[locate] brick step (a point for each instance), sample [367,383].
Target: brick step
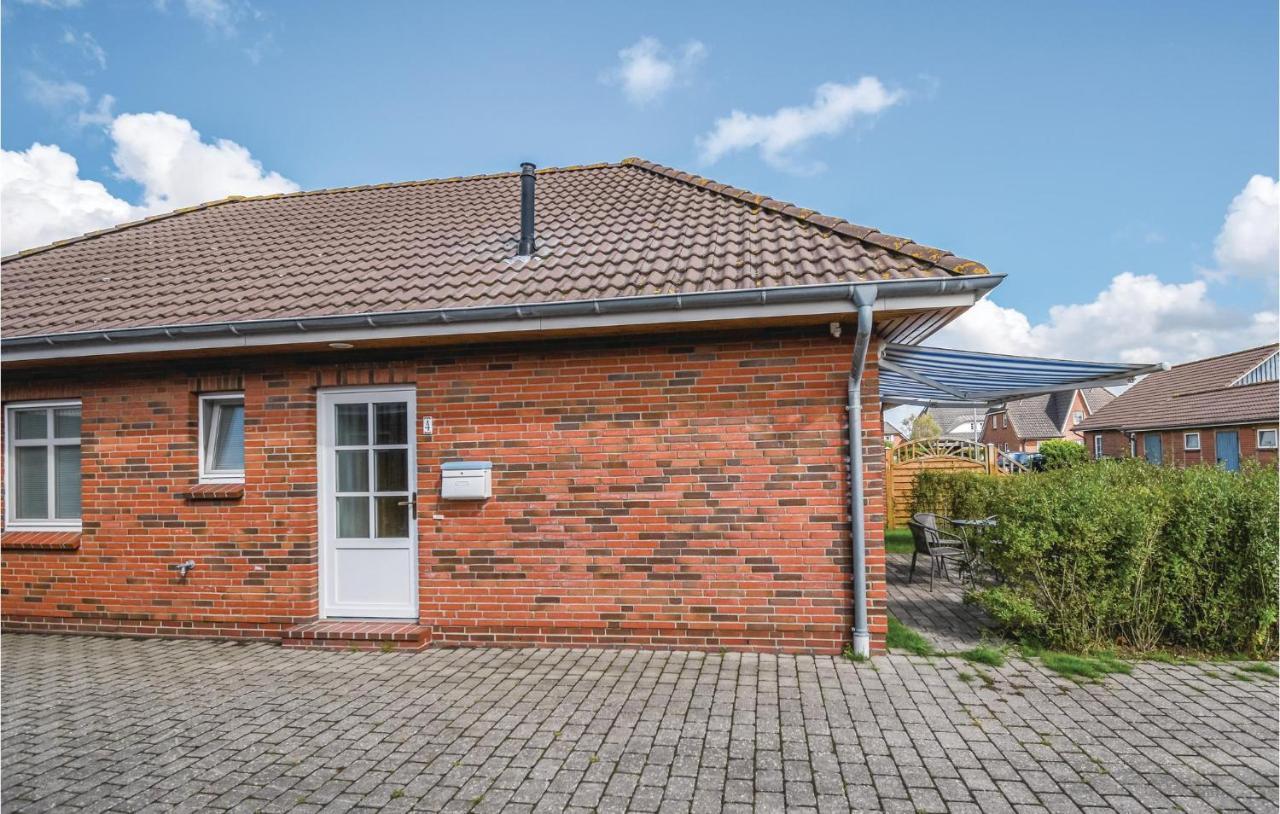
[357,635]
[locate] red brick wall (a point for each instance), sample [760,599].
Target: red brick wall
[685,493]
[1116,445]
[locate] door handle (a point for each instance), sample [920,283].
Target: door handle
[412,503]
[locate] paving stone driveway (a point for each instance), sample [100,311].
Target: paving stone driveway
[100,724]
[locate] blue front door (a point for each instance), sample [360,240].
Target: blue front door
[1228,450]
[1152,448]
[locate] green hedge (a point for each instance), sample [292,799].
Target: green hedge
[1060,454]
[1121,552]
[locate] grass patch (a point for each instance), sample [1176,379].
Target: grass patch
[898,541]
[1264,669]
[989,656]
[852,656]
[1083,668]
[901,637]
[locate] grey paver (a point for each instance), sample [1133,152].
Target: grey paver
[98,724]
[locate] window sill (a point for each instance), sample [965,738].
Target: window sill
[40,541]
[214,491]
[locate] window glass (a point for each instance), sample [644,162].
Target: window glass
[393,516]
[1191,441]
[228,450]
[30,424]
[222,437]
[66,486]
[353,517]
[393,470]
[43,464]
[1267,439]
[390,423]
[66,422]
[31,483]
[353,470]
[352,424]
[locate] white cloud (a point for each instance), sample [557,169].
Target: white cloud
[779,135]
[220,16]
[1248,244]
[87,45]
[214,14]
[165,154]
[647,70]
[1137,318]
[54,94]
[43,198]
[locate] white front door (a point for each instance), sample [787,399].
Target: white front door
[368,548]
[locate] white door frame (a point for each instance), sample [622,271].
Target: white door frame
[325,400]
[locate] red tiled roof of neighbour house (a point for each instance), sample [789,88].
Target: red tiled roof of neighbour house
[604,231]
[1195,394]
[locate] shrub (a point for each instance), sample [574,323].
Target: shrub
[1125,553]
[1059,454]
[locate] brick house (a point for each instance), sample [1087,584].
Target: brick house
[439,412]
[1022,424]
[1221,410]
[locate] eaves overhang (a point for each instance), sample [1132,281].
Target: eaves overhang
[947,296]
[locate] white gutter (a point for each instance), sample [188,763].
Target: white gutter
[662,309]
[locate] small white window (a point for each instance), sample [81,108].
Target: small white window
[1004,421]
[1097,446]
[222,438]
[1191,441]
[1267,438]
[1076,417]
[42,466]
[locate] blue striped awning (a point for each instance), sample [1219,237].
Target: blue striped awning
[911,374]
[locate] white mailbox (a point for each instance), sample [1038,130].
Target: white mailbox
[466,480]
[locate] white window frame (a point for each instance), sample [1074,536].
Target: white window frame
[1097,447]
[208,475]
[12,523]
[1077,417]
[1186,441]
[1261,430]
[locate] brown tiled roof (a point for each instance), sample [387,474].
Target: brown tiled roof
[1195,394]
[604,231]
[1046,415]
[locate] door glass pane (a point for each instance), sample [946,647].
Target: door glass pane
[30,424]
[392,470]
[352,424]
[229,454]
[393,516]
[31,486]
[66,482]
[390,422]
[66,422]
[353,470]
[353,517]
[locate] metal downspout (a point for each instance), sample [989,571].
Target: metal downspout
[863,298]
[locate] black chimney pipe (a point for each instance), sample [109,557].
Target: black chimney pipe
[527,180]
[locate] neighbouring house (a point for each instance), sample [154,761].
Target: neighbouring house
[893,434]
[1219,411]
[1021,425]
[960,423]
[601,405]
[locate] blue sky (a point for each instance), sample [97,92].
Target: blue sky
[1091,151]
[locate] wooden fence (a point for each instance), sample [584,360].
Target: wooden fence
[910,458]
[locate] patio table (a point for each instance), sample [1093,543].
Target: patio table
[968,528]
